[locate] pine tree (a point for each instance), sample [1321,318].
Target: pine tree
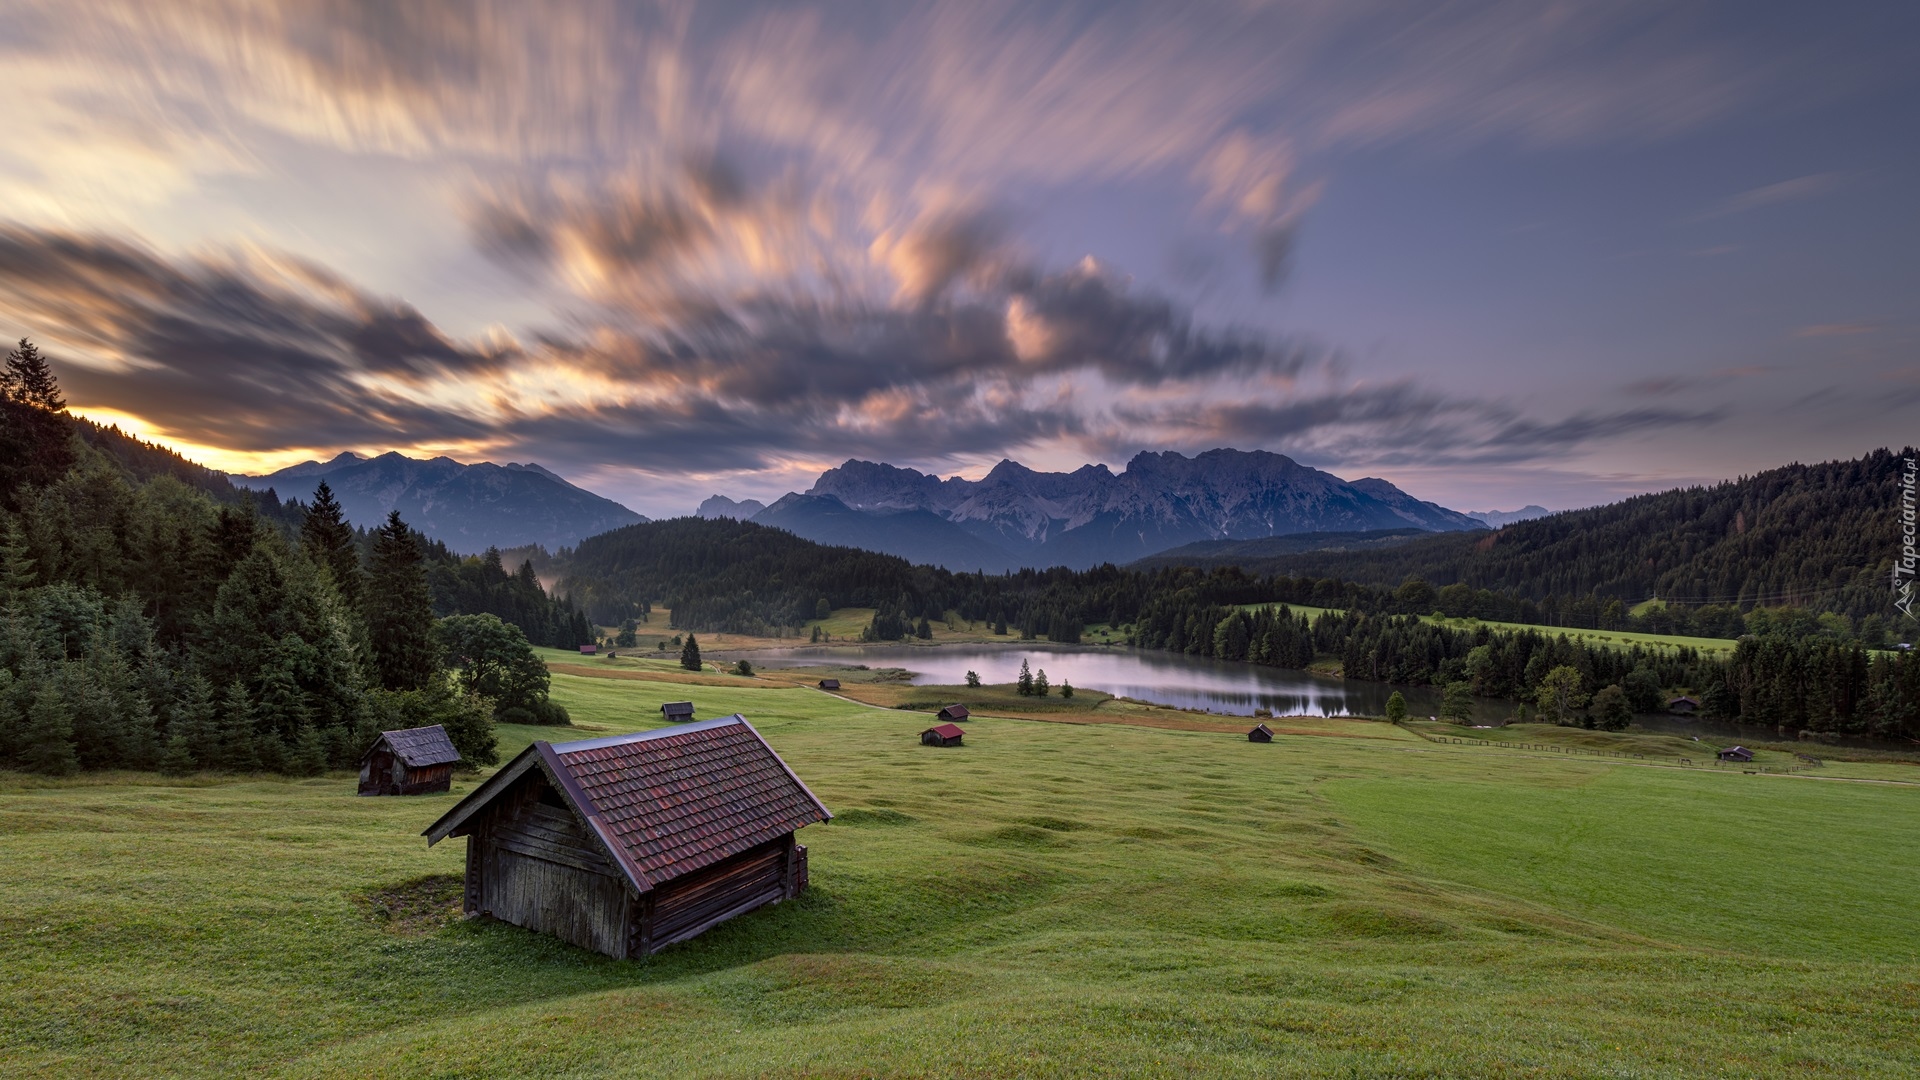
[329,542]
[1040,686]
[49,736]
[30,380]
[400,610]
[1025,685]
[690,654]
[1066,689]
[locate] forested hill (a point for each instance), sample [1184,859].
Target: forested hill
[726,574]
[1814,536]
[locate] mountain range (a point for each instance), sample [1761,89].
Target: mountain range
[469,507]
[1497,518]
[1015,516]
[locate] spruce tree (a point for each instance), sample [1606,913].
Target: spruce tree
[1026,679]
[1040,686]
[400,610]
[177,759]
[309,756]
[16,562]
[329,542]
[690,654]
[196,725]
[30,380]
[49,736]
[237,737]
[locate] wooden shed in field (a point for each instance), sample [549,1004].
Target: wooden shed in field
[628,844]
[589,650]
[1683,706]
[677,712]
[1736,753]
[829,684]
[952,714]
[942,735]
[1260,733]
[412,761]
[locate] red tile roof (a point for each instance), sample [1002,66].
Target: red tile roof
[946,731]
[676,799]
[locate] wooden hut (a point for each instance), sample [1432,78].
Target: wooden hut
[942,735]
[1736,753]
[1683,706]
[412,761]
[677,712]
[1260,733]
[589,650]
[952,714]
[829,684]
[628,844]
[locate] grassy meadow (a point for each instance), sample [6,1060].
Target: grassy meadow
[1051,899]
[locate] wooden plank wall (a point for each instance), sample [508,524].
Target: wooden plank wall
[539,869]
[684,907]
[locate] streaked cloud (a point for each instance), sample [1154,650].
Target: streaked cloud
[1784,191]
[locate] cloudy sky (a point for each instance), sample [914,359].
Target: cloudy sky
[1498,252]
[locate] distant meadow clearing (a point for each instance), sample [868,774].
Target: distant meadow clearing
[1050,899]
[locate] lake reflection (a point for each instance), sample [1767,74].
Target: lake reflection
[1185,682]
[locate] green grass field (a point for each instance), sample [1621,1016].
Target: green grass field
[1048,900]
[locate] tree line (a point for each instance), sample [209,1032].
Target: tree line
[1819,537]
[153,616]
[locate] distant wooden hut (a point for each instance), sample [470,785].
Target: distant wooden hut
[1736,753]
[942,735]
[829,684]
[1260,733]
[628,844]
[677,712]
[1683,706]
[589,650]
[412,761]
[952,714]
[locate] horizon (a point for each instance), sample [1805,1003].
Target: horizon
[1516,258]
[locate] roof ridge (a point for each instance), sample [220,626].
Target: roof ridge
[578,745]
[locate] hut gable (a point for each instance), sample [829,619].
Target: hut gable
[829,684]
[630,843]
[953,713]
[411,761]
[942,735]
[677,712]
[1260,733]
[1682,705]
[1736,753]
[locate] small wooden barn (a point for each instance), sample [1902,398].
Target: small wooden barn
[677,712]
[1736,753]
[1683,706]
[952,714]
[589,650]
[1260,733]
[829,684]
[628,844]
[412,761]
[942,735]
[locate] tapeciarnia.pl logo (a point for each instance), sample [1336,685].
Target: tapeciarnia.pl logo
[1903,567]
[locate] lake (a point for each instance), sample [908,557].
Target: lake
[1185,682]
